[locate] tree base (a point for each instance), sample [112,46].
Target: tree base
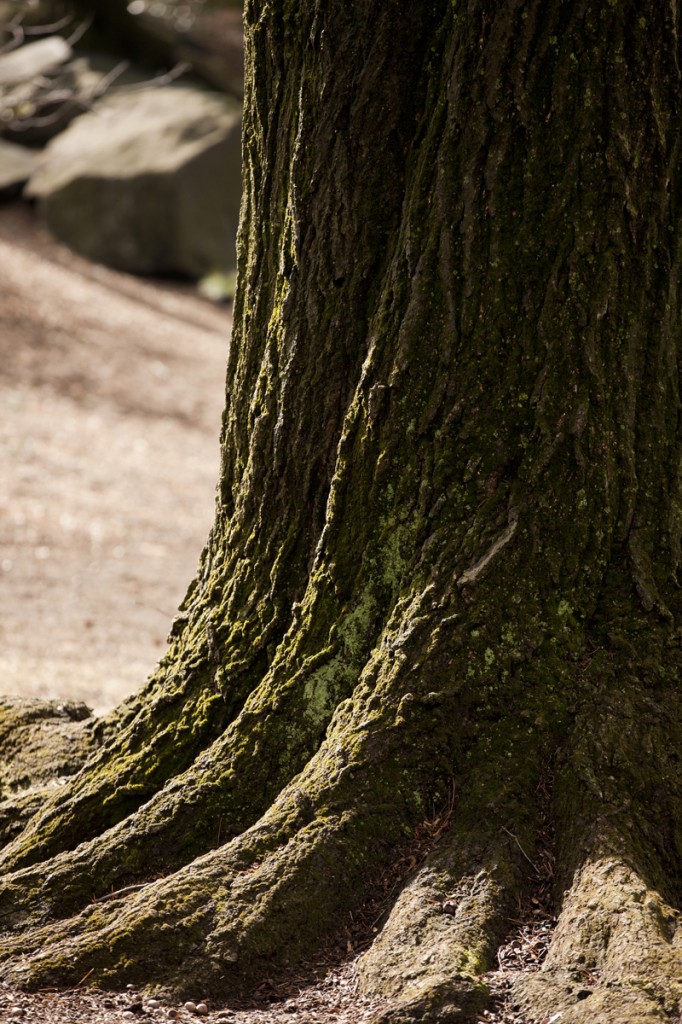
[262,900]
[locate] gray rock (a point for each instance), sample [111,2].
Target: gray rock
[32,60]
[17,164]
[213,44]
[148,182]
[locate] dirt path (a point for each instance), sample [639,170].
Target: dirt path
[111,390]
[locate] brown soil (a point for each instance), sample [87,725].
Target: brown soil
[332,1001]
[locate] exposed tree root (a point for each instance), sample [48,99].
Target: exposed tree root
[215,743]
[44,744]
[245,903]
[222,793]
[225,919]
[238,907]
[220,796]
[432,954]
[616,952]
[152,738]
[443,930]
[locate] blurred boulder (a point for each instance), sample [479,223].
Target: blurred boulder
[206,34]
[33,111]
[148,182]
[17,164]
[212,43]
[34,59]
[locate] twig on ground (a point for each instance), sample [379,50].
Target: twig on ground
[516,840]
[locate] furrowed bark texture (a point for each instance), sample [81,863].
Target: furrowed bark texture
[447,534]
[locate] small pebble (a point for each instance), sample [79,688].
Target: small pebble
[172,1014]
[191,1007]
[153,1004]
[131,987]
[202,1009]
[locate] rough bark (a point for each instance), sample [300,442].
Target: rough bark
[447,535]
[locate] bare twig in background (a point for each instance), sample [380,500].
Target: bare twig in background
[17,34]
[80,30]
[43,30]
[165,79]
[109,79]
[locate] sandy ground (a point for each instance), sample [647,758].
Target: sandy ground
[111,391]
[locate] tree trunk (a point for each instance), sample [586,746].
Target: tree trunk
[446,542]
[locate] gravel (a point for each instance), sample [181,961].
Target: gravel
[334,1000]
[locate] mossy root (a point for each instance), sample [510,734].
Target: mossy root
[444,928]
